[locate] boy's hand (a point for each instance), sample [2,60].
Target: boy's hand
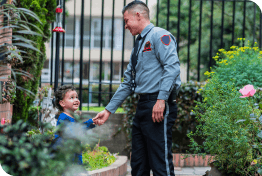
[101,117]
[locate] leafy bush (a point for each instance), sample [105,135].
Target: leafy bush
[222,108]
[24,151]
[33,64]
[97,158]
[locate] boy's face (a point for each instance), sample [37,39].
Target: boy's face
[70,101]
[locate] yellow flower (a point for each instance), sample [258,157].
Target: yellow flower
[255,48]
[254,162]
[221,50]
[231,57]
[207,73]
[233,47]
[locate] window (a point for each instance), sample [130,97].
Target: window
[95,33]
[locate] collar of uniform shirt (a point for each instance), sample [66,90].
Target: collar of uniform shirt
[146,30]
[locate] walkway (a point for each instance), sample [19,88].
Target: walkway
[180,171]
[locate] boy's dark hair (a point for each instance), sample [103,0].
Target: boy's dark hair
[141,5]
[60,94]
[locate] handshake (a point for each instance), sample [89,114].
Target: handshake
[101,117]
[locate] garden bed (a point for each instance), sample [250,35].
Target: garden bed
[119,167]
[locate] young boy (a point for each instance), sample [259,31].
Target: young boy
[66,100]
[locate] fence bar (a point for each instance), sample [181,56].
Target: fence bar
[112,46]
[168,12]
[157,12]
[222,22]
[57,60]
[178,25]
[81,53]
[123,47]
[233,23]
[89,60]
[147,2]
[199,41]
[254,28]
[189,39]
[244,19]
[101,54]
[211,35]
[74,34]
[63,45]
[52,53]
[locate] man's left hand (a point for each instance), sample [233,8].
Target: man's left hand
[158,111]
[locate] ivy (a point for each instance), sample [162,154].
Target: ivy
[33,62]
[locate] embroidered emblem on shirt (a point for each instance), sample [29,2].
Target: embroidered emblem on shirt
[165,39]
[147,47]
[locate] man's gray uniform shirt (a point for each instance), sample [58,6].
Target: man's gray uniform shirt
[157,69]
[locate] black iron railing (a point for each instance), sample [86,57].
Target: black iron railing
[59,73]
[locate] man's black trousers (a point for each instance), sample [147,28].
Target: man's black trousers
[152,142]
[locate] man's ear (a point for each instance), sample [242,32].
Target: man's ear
[62,103]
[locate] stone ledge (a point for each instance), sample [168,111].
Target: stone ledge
[119,168]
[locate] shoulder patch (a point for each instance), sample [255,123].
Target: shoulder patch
[165,39]
[147,47]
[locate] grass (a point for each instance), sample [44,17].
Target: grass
[99,109]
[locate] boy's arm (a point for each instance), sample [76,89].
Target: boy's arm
[89,124]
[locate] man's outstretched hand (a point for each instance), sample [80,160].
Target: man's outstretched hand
[101,117]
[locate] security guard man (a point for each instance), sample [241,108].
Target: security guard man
[154,74]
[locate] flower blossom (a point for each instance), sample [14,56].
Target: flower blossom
[247,91]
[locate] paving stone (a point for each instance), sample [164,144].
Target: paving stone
[200,172]
[177,168]
[202,168]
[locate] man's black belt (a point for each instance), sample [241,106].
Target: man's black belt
[153,96]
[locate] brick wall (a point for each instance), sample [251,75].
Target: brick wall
[5,71]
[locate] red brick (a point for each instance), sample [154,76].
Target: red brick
[176,159]
[182,161]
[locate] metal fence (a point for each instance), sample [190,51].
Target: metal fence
[169,5]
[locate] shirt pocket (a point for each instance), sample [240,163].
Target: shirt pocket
[149,60]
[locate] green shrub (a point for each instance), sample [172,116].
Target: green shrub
[33,64]
[222,108]
[24,151]
[97,158]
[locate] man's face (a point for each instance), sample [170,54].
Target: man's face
[131,22]
[70,101]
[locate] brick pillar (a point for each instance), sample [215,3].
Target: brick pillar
[6,110]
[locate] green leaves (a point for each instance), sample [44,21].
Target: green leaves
[231,126]
[97,158]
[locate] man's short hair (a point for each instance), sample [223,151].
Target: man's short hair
[137,6]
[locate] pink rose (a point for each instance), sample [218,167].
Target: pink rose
[2,121]
[247,91]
